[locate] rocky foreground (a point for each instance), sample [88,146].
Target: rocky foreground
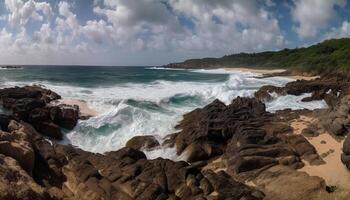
[237,151]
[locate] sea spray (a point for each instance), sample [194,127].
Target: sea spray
[145,101]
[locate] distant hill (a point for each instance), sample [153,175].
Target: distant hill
[326,56]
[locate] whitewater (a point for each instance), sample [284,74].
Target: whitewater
[153,106]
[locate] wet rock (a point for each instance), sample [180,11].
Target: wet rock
[38,115]
[46,94]
[265,93]
[147,142]
[65,116]
[5,121]
[50,129]
[211,127]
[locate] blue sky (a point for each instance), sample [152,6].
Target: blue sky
[156,32]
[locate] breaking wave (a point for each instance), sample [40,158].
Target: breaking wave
[130,109]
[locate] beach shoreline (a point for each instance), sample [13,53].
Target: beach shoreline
[271,73]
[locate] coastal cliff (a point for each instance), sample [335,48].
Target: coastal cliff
[235,151]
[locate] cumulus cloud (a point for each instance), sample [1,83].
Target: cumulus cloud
[41,29]
[340,32]
[314,15]
[21,12]
[232,25]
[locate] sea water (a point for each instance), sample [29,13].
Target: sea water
[133,101]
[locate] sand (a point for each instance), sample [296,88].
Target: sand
[307,78]
[85,110]
[270,72]
[334,171]
[256,71]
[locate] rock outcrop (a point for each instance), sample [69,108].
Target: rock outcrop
[33,167]
[330,87]
[235,151]
[32,104]
[146,142]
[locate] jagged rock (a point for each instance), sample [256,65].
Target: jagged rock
[329,87]
[46,95]
[65,116]
[265,92]
[30,104]
[228,188]
[197,152]
[304,149]
[38,115]
[209,128]
[337,120]
[283,183]
[50,129]
[345,156]
[252,144]
[147,142]
[5,121]
[17,145]
[15,183]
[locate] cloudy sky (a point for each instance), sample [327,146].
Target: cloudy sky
[155,32]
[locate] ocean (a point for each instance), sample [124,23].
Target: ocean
[133,101]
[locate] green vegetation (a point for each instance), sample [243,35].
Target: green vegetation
[326,56]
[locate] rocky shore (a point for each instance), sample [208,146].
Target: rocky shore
[236,151]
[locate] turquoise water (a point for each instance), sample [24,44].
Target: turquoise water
[134,101]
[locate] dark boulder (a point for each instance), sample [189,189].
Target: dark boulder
[5,121]
[228,188]
[49,129]
[146,142]
[209,128]
[345,156]
[65,116]
[265,93]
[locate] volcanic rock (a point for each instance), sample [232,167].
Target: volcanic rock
[65,116]
[147,142]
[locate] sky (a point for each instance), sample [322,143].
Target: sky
[157,32]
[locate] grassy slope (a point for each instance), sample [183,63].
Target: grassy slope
[326,56]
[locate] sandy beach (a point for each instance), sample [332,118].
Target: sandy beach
[333,171]
[271,72]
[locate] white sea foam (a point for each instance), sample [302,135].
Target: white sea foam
[293,102]
[127,110]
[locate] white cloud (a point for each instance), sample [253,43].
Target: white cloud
[97,31]
[312,16]
[70,19]
[157,30]
[231,26]
[5,38]
[340,32]
[21,12]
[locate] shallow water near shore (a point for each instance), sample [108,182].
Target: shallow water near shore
[132,101]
